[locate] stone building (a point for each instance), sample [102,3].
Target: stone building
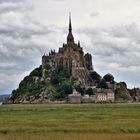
[100,96]
[75,97]
[71,57]
[89,99]
[105,95]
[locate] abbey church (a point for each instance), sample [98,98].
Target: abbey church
[71,57]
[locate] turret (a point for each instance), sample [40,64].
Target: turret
[88,60]
[43,60]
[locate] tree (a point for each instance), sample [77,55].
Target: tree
[103,84]
[80,89]
[89,91]
[55,79]
[109,78]
[37,72]
[62,92]
[66,89]
[14,95]
[95,76]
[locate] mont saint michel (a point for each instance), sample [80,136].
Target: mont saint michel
[68,76]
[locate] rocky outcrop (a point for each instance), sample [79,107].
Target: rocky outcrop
[135,94]
[122,93]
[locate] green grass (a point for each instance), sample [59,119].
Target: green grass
[71,120]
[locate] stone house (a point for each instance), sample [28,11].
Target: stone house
[105,95]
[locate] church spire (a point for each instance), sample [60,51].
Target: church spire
[78,43]
[70,25]
[70,38]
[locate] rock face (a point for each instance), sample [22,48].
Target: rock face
[135,94]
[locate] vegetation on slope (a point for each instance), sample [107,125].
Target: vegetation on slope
[56,85]
[122,93]
[41,86]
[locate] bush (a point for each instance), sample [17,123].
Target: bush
[55,78]
[103,84]
[80,89]
[109,78]
[65,89]
[89,91]
[95,76]
[37,72]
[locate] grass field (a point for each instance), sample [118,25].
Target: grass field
[70,122]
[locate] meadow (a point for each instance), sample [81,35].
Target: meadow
[70,122]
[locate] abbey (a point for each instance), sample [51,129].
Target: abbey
[71,57]
[47,84]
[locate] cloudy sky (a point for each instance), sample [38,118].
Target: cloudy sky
[109,29]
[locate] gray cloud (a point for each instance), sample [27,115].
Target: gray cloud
[14,1]
[20,49]
[7,7]
[23,41]
[94,14]
[115,50]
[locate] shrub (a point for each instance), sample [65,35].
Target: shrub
[80,89]
[37,72]
[109,78]
[95,76]
[89,91]
[103,84]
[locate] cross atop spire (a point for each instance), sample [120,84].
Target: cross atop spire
[70,25]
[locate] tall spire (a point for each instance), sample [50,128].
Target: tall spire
[70,38]
[70,26]
[78,43]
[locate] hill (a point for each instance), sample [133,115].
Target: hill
[36,89]
[58,85]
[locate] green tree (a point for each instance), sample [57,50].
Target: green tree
[95,76]
[103,84]
[109,78]
[80,89]
[37,72]
[55,78]
[89,91]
